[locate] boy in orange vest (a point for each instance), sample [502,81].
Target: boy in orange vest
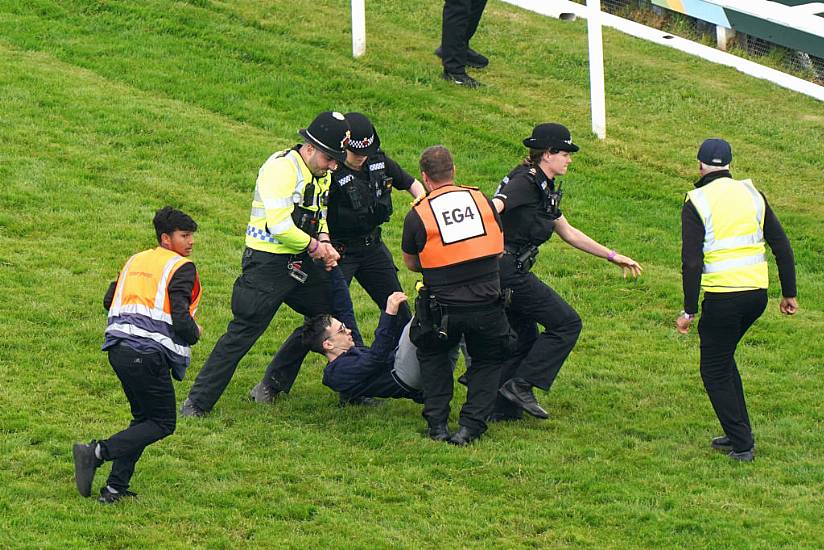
[150,330]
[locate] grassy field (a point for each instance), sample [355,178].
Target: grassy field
[111,109]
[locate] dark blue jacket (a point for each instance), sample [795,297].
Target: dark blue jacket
[367,372]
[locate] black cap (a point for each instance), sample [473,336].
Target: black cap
[715,152]
[329,132]
[363,139]
[551,135]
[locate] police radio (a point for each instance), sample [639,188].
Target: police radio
[553,201]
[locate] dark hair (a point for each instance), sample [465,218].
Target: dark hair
[436,162]
[168,220]
[314,332]
[535,155]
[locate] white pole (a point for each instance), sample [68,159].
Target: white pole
[596,69]
[358,27]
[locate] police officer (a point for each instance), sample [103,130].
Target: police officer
[360,200]
[287,252]
[453,237]
[724,225]
[528,200]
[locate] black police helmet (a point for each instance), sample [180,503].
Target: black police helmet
[329,132]
[551,135]
[364,138]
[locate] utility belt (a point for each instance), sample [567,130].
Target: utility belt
[364,241]
[433,316]
[524,257]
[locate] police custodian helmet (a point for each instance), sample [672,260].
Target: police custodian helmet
[329,132]
[364,140]
[551,135]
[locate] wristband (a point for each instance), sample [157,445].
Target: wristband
[324,241]
[687,316]
[317,244]
[611,255]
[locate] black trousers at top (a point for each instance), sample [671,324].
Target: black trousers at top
[460,21]
[375,270]
[538,357]
[258,293]
[725,318]
[147,384]
[489,340]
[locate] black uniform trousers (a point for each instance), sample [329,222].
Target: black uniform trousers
[725,318]
[489,340]
[373,267]
[538,357]
[460,21]
[258,293]
[147,383]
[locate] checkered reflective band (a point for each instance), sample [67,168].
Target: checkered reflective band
[361,143]
[260,234]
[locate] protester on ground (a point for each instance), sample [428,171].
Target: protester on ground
[453,237]
[150,330]
[528,200]
[287,255]
[724,225]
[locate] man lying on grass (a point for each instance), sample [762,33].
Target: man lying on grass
[389,368]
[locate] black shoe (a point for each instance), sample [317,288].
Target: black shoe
[263,393]
[473,58]
[438,432]
[85,466]
[519,391]
[743,456]
[461,79]
[345,401]
[191,410]
[107,496]
[722,443]
[464,436]
[504,417]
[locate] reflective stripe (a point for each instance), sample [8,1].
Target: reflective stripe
[260,234]
[735,262]
[734,242]
[758,201]
[282,227]
[297,196]
[699,201]
[260,212]
[160,296]
[121,284]
[139,309]
[272,204]
[165,341]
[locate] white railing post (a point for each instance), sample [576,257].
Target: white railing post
[358,27]
[596,69]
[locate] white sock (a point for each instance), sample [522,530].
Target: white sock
[112,489]
[97,452]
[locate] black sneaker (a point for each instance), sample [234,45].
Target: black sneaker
[743,456]
[107,496]
[461,79]
[191,410]
[263,393]
[473,58]
[360,401]
[85,466]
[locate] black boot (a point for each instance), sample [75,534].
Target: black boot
[438,432]
[464,436]
[519,391]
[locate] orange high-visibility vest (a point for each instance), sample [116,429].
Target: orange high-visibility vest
[460,227]
[141,309]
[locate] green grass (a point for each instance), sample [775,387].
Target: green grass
[109,110]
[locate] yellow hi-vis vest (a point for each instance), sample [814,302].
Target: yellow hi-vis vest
[141,312]
[279,191]
[733,216]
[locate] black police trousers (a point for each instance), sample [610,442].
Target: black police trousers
[147,383]
[375,270]
[258,293]
[725,318]
[460,21]
[538,357]
[489,340]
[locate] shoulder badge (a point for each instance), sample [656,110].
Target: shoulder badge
[417,201]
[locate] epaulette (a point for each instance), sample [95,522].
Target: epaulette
[468,187]
[533,171]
